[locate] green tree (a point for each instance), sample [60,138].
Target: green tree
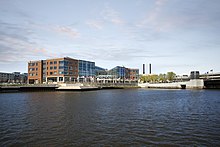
[170,76]
[153,78]
[162,78]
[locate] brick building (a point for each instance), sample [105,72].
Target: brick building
[60,70]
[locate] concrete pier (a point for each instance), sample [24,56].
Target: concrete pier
[192,84]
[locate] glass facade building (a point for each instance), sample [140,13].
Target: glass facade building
[117,72]
[86,69]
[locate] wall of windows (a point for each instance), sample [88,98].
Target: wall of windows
[86,69]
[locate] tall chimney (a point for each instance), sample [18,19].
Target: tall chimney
[149,68]
[143,68]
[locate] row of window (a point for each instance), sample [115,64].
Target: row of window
[60,67]
[33,69]
[62,72]
[52,62]
[33,64]
[33,74]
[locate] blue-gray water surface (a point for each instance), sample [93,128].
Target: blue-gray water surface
[126,117]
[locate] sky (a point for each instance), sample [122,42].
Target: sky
[172,35]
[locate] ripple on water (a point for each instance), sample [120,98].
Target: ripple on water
[135,117]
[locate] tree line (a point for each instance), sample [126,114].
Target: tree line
[161,78]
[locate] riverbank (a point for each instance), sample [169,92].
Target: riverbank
[60,87]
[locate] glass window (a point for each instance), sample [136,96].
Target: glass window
[54,67]
[61,62]
[51,73]
[60,78]
[51,67]
[51,62]
[55,62]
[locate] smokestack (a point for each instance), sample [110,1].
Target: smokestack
[143,68]
[149,68]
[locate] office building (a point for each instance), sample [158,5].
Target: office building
[60,70]
[86,71]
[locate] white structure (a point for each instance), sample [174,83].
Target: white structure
[194,83]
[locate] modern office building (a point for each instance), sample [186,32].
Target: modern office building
[86,71]
[119,74]
[100,71]
[60,70]
[124,73]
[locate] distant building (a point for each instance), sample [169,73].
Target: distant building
[210,76]
[133,74]
[60,70]
[119,74]
[181,78]
[15,77]
[100,71]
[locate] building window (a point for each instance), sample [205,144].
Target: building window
[36,64]
[60,78]
[61,67]
[36,69]
[55,62]
[54,67]
[61,62]
[55,73]
[51,67]
[32,64]
[51,73]
[51,62]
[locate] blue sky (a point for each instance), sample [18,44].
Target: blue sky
[172,35]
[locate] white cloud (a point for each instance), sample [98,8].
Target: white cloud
[111,15]
[95,24]
[67,31]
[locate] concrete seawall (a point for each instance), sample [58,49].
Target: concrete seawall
[192,84]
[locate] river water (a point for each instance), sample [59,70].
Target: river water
[125,117]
